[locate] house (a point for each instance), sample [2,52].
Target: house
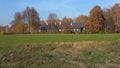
[73,28]
[77,27]
[43,28]
[4,29]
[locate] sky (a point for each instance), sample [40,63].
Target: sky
[68,8]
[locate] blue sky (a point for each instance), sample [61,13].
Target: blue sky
[69,8]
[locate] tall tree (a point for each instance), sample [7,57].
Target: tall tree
[51,20]
[58,21]
[17,23]
[96,20]
[69,20]
[66,24]
[109,23]
[26,16]
[0,28]
[35,20]
[31,17]
[116,17]
[81,19]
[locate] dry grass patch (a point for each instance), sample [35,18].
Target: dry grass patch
[85,54]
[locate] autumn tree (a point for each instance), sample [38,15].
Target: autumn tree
[31,18]
[81,19]
[66,24]
[109,23]
[112,16]
[51,20]
[35,20]
[58,21]
[116,17]
[96,20]
[69,20]
[0,28]
[42,22]
[17,23]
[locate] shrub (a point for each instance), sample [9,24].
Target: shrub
[1,33]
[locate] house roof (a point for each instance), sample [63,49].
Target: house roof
[42,25]
[73,26]
[77,25]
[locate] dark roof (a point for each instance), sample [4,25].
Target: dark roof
[42,25]
[73,26]
[77,25]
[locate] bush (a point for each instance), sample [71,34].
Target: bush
[101,32]
[1,33]
[85,31]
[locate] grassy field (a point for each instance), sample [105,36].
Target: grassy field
[60,51]
[85,54]
[43,38]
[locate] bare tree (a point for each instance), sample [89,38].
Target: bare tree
[52,17]
[31,17]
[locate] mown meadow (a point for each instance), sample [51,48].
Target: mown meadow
[43,38]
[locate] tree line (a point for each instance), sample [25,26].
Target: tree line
[99,20]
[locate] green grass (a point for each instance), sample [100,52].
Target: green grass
[43,38]
[60,51]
